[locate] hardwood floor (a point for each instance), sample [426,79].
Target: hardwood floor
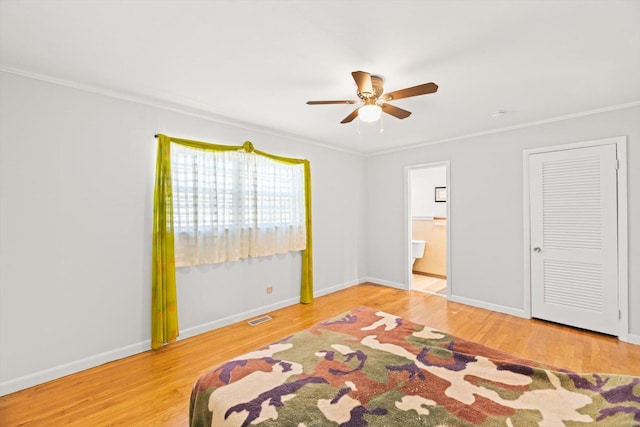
[428,284]
[153,388]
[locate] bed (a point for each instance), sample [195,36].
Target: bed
[370,368]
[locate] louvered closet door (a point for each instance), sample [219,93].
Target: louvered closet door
[574,261]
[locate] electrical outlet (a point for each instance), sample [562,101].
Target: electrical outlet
[269,289]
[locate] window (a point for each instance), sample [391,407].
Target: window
[229,205]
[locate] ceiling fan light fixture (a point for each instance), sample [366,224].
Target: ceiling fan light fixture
[374,101]
[369,113]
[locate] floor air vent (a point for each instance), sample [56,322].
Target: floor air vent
[259,320]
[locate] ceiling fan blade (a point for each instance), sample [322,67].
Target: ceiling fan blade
[363,80]
[395,111]
[331,102]
[422,89]
[351,116]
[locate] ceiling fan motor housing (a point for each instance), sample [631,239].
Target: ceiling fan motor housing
[376,84]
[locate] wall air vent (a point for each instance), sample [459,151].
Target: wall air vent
[259,320]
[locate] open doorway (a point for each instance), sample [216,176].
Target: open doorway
[428,227]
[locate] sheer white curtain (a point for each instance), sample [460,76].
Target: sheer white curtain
[229,205]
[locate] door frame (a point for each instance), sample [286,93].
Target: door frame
[408,224]
[623,271]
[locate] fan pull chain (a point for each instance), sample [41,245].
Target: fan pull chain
[381,125]
[358,128]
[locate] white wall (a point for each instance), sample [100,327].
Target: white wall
[76,194]
[423,184]
[76,185]
[486,208]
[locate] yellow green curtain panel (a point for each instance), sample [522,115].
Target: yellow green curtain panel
[164,309]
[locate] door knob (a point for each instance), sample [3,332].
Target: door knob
[537,249]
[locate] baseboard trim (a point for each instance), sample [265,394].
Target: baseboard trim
[56,372]
[489,306]
[467,301]
[332,289]
[60,371]
[633,339]
[384,282]
[226,321]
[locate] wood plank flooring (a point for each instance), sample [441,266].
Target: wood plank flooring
[428,283]
[152,388]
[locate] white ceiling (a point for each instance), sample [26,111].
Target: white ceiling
[256,63]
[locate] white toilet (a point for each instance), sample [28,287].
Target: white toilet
[417,250]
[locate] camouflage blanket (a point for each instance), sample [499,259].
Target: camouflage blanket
[370,368]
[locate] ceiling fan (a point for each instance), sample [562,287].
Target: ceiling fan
[374,100]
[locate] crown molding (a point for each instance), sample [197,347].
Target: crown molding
[632,104]
[180,107]
[199,112]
